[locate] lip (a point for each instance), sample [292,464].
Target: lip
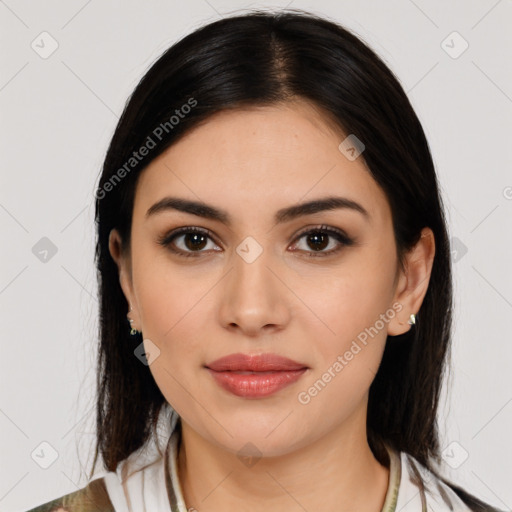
[255,376]
[254,363]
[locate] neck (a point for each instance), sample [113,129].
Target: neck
[337,473]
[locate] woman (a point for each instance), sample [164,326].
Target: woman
[270,224]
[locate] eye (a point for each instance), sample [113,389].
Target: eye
[193,240]
[318,239]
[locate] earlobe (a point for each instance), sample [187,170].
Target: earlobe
[123,265]
[115,248]
[413,284]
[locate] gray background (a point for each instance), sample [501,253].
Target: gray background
[57,116]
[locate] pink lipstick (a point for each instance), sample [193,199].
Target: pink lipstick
[255,376]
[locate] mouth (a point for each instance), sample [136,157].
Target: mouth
[255,376]
[254,363]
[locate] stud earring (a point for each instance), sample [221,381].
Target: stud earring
[133,331]
[411,321]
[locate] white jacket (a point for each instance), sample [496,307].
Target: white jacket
[144,482]
[157,487]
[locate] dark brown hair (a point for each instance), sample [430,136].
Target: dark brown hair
[263,58]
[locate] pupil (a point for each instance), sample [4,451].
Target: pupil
[195,237]
[319,237]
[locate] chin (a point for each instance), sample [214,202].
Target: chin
[255,435]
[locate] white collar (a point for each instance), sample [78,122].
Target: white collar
[144,482]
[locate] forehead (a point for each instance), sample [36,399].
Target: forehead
[256,160]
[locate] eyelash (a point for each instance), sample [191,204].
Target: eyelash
[344,240]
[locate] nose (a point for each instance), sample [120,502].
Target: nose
[254,297]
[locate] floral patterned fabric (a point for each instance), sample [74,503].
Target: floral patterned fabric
[92,498]
[153,485]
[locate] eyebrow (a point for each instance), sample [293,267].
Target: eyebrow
[283,215]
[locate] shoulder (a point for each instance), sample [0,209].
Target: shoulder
[421,489]
[91,498]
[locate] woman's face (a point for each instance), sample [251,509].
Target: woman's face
[255,282]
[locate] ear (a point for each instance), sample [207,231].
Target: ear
[124,267]
[413,283]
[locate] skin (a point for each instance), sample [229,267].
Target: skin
[251,163]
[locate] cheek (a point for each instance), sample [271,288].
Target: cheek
[173,315]
[348,352]
[165,295]
[352,310]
